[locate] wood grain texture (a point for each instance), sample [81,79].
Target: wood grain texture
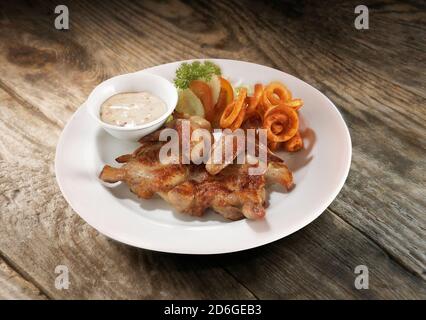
[323,257]
[374,77]
[14,287]
[39,231]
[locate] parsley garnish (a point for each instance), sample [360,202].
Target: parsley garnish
[195,71]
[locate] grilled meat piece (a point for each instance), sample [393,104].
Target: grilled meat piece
[190,188]
[144,173]
[231,191]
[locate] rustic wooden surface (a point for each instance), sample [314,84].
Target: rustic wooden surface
[375,77]
[13,286]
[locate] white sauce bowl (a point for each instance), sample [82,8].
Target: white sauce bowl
[133,82]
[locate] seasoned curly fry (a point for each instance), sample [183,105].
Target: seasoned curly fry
[281,123]
[295,104]
[294,144]
[239,120]
[252,121]
[253,101]
[274,94]
[272,108]
[277,127]
[233,109]
[273,145]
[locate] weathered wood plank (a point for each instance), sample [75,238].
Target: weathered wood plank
[51,73]
[39,231]
[335,249]
[14,287]
[314,263]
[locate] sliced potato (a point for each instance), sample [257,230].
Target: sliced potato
[214,85]
[189,104]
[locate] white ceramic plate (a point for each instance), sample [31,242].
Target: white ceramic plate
[319,173]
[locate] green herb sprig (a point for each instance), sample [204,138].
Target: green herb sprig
[195,71]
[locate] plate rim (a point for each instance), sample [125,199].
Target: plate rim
[303,222]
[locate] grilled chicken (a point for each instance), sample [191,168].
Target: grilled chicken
[233,193]
[191,189]
[144,173]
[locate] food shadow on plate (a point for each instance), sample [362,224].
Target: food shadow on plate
[121,191]
[109,148]
[296,162]
[300,159]
[259,226]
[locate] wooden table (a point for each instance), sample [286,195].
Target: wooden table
[376,78]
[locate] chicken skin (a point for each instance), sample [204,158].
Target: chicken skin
[233,193]
[144,173]
[192,189]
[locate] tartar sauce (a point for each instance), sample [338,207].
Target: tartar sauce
[131,109]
